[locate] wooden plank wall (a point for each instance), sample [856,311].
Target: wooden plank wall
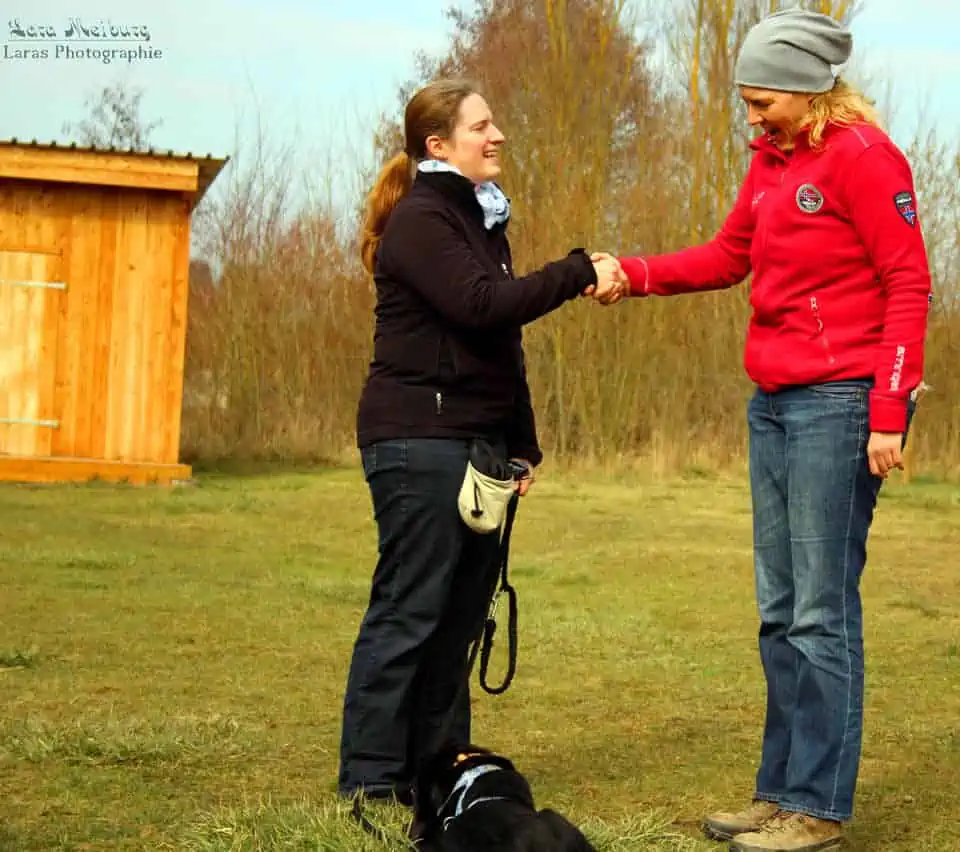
[119,355]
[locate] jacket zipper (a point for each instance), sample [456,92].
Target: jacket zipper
[762,233]
[821,332]
[439,402]
[764,236]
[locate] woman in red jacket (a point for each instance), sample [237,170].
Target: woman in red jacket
[826,221]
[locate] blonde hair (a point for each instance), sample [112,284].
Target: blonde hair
[432,111]
[843,104]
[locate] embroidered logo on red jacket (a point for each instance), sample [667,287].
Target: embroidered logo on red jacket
[809,198]
[906,207]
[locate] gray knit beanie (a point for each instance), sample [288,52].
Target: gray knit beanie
[793,51]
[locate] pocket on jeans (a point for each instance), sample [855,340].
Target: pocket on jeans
[843,391]
[390,454]
[911,412]
[368,459]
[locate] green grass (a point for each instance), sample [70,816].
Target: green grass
[172,662]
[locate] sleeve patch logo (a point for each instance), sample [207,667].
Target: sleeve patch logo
[906,207]
[809,198]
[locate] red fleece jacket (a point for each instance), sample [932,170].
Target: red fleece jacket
[841,283]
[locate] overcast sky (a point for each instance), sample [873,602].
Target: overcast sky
[318,72]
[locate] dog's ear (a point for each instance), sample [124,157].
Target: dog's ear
[424,792]
[567,836]
[427,796]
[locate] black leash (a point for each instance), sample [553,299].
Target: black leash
[356,811]
[485,642]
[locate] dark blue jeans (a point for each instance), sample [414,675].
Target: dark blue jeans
[406,690]
[813,502]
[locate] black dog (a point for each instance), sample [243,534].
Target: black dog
[468,799]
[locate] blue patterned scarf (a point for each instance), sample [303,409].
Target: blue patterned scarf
[495,205]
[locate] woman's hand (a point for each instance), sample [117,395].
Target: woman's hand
[526,480]
[884,452]
[611,284]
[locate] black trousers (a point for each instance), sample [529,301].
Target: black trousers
[431,587]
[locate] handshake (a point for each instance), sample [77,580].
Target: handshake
[612,284]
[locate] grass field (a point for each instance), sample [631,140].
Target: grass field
[172,662]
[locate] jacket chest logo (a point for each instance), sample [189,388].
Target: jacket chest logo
[809,198]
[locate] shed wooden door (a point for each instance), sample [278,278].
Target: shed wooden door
[30,302]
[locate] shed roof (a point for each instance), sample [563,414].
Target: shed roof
[110,166]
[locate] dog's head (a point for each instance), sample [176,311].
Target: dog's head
[439,774]
[466,771]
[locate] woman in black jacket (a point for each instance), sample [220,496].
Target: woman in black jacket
[447,367]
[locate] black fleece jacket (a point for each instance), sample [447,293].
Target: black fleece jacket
[448,356]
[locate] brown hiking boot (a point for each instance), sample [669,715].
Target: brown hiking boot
[790,832]
[725,826]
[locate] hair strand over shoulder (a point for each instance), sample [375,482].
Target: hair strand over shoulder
[843,104]
[392,184]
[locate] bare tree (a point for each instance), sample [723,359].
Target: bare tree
[113,120]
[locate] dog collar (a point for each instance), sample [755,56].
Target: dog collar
[478,801]
[462,787]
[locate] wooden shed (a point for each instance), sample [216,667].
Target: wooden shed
[94,256]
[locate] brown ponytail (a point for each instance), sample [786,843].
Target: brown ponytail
[433,111]
[394,181]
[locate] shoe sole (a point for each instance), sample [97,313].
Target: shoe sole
[717,831]
[825,846]
[713,833]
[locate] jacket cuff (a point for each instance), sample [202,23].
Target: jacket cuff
[887,413]
[527,452]
[589,271]
[638,275]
